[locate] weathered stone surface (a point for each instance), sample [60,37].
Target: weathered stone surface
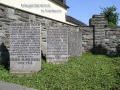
[108,37]
[1,24]
[44,48]
[15,17]
[101,32]
[75,43]
[11,15]
[113,37]
[98,20]
[32,18]
[23,19]
[7,43]
[17,12]
[2,7]
[87,36]
[10,11]
[7,20]
[98,16]
[57,45]
[25,49]
[2,33]
[2,11]
[24,15]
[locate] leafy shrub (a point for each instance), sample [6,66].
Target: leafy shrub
[111,24]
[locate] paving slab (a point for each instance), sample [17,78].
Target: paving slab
[12,86]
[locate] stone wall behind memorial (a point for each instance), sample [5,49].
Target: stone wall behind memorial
[101,38]
[83,38]
[9,14]
[87,38]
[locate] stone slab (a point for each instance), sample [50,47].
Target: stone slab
[12,86]
[24,15]
[57,45]
[25,49]
[75,43]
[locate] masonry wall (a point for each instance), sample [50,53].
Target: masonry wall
[97,36]
[87,38]
[106,40]
[112,40]
[49,9]
[9,14]
[75,42]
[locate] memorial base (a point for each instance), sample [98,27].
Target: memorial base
[22,74]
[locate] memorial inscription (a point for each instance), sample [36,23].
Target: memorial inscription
[25,50]
[57,45]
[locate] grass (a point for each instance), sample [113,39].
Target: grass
[88,72]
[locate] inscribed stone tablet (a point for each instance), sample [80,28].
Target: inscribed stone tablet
[25,50]
[57,46]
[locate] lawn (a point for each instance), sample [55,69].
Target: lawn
[88,72]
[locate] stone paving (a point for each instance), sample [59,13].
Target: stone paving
[12,86]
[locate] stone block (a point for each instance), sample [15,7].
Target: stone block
[44,48]
[2,13]
[57,45]
[32,18]
[7,43]
[2,10]
[25,15]
[1,24]
[113,37]
[15,17]
[106,40]
[88,37]
[25,50]
[10,11]
[23,19]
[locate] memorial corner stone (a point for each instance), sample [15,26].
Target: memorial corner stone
[25,49]
[57,46]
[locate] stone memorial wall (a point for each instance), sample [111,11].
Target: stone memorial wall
[105,39]
[9,14]
[75,42]
[57,45]
[25,49]
[87,38]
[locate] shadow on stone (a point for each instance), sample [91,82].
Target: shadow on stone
[118,50]
[4,57]
[99,49]
[43,56]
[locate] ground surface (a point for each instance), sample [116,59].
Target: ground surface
[11,86]
[89,72]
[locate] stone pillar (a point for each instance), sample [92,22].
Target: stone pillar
[98,22]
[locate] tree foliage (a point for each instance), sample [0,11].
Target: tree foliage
[111,14]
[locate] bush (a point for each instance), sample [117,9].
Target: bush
[111,24]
